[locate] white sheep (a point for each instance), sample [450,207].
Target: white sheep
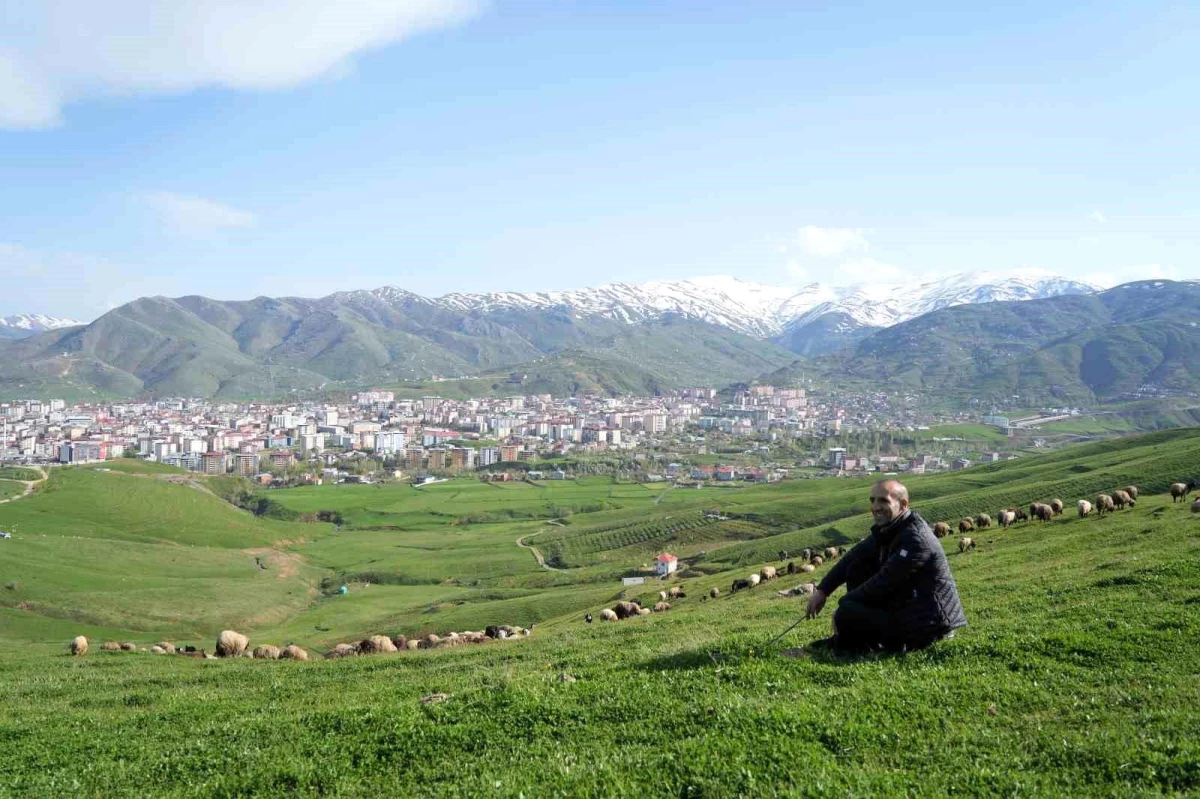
[79,646]
[231,644]
[1084,506]
[608,615]
[754,580]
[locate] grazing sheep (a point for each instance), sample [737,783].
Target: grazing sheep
[1196,505]
[342,651]
[674,593]
[739,585]
[661,607]
[1132,491]
[607,615]
[168,647]
[817,561]
[783,555]
[400,641]
[1021,515]
[1057,506]
[625,610]
[806,554]
[110,646]
[293,652]
[808,567]
[1121,500]
[714,592]
[1006,518]
[1041,511]
[231,644]
[791,567]
[965,543]
[983,520]
[412,644]
[266,652]
[126,646]
[157,650]
[804,589]
[966,525]
[646,611]
[768,573]
[662,596]
[754,580]
[1104,504]
[1084,506]
[1179,491]
[833,553]
[79,646]
[941,529]
[432,640]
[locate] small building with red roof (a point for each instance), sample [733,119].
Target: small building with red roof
[665,563]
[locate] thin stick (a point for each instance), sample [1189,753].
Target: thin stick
[785,632]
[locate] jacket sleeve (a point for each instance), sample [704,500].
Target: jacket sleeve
[837,575]
[911,554]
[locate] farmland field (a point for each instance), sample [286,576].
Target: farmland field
[10,488]
[1079,673]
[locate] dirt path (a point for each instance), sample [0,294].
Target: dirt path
[29,484]
[536,554]
[663,493]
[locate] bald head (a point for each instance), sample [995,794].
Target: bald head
[889,500]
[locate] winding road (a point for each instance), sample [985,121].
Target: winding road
[538,555]
[29,484]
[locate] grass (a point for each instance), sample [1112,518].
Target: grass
[10,488]
[1077,675]
[18,473]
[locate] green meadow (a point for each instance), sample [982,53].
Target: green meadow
[1078,675]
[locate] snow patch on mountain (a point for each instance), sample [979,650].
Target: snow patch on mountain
[26,324]
[765,311]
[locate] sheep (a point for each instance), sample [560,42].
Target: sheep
[342,651]
[1041,511]
[607,615]
[1056,505]
[791,567]
[432,639]
[768,573]
[965,543]
[168,647]
[808,567]
[266,652]
[1085,507]
[1132,491]
[966,525]
[661,607]
[624,610]
[110,646]
[1021,515]
[983,520]
[674,593]
[1196,505]
[293,652]
[832,553]
[400,641]
[817,561]
[783,555]
[79,646]
[806,554]
[714,592]
[1006,518]
[231,644]
[1104,504]
[126,646]
[157,650]
[1179,492]
[662,596]
[804,589]
[646,611]
[412,644]
[941,529]
[739,585]
[754,580]
[1121,499]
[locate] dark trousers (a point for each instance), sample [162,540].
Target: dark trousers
[863,627]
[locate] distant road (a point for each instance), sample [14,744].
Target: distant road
[29,484]
[536,554]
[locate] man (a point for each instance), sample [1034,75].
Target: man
[899,592]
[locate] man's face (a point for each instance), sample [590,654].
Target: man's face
[884,507]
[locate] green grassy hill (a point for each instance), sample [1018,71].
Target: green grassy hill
[1077,674]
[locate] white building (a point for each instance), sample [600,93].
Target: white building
[665,564]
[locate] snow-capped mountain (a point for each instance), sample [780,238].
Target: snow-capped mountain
[766,311]
[26,324]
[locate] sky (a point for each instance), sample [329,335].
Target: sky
[298,147]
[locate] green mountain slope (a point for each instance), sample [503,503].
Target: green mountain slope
[1138,338]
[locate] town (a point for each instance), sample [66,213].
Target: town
[761,433]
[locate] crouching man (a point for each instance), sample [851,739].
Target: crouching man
[900,594]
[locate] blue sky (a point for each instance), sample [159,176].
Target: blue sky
[299,148]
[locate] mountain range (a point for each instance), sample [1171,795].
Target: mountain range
[616,338]
[27,324]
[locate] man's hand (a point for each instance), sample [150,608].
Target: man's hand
[815,603]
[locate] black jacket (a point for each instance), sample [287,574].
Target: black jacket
[901,568]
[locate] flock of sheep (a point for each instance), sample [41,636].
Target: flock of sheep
[232,644]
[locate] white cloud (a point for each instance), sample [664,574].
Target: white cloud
[54,52]
[1098,216]
[1115,277]
[826,242]
[195,216]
